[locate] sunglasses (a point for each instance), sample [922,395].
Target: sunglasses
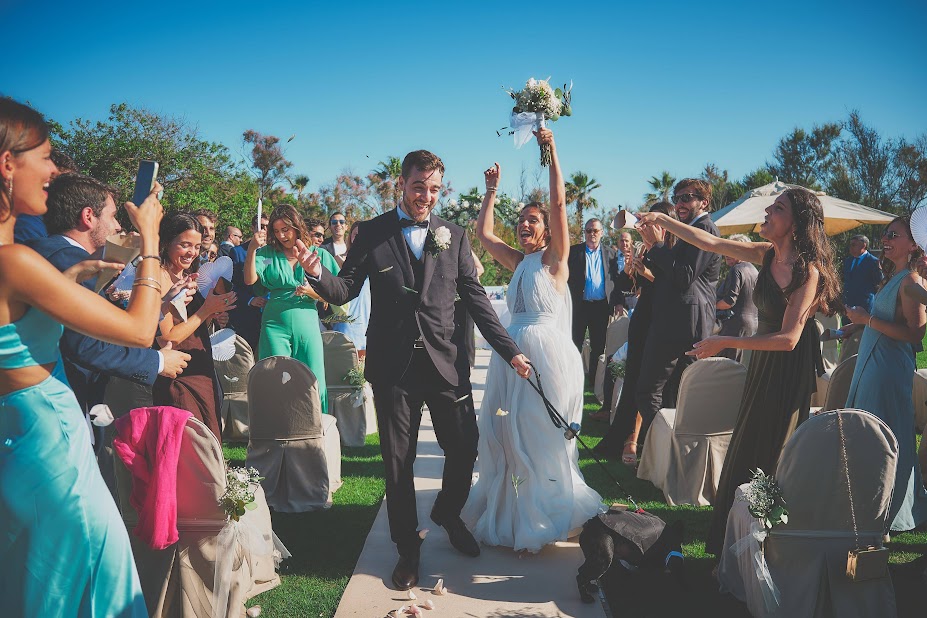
[337,222]
[593,231]
[891,234]
[685,198]
[316,234]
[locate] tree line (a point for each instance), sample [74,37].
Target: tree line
[848,159]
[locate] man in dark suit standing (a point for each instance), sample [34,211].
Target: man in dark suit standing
[81,214]
[684,299]
[861,274]
[593,271]
[417,264]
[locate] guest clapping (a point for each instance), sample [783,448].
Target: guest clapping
[796,280]
[290,323]
[196,390]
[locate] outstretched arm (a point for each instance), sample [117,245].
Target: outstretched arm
[745,251]
[559,248]
[498,249]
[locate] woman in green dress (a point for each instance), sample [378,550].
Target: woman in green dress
[290,323]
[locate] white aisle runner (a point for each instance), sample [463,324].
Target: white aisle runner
[497,583]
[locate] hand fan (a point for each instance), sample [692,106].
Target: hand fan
[210,273]
[919,227]
[624,221]
[223,344]
[179,303]
[126,278]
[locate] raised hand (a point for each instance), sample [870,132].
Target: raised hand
[219,303]
[260,238]
[544,136]
[309,260]
[86,269]
[147,217]
[492,176]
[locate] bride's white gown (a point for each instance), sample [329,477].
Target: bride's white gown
[523,447]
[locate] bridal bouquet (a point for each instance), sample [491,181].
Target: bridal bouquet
[536,103]
[764,500]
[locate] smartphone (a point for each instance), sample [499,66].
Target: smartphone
[144,180]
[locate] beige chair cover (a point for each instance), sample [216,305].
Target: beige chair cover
[296,448]
[351,405]
[848,347]
[615,337]
[919,394]
[838,384]
[233,378]
[829,349]
[178,581]
[807,557]
[710,391]
[121,396]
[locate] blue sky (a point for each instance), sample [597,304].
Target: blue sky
[663,85]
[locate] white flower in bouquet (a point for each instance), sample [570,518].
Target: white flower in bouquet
[536,103]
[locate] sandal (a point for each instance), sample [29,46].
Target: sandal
[629,459]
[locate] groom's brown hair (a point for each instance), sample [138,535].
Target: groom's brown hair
[421,160]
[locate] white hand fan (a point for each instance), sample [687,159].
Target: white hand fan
[126,278]
[179,302]
[919,227]
[210,273]
[624,221]
[223,344]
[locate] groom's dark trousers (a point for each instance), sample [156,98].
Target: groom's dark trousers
[416,356]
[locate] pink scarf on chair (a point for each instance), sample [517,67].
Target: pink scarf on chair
[148,442]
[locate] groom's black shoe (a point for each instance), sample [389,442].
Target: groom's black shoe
[405,575]
[458,534]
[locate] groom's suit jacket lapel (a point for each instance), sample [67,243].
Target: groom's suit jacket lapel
[429,260]
[397,242]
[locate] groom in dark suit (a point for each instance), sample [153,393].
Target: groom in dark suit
[417,264]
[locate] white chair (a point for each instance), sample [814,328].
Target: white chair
[807,557]
[179,580]
[351,405]
[233,378]
[295,447]
[615,336]
[685,447]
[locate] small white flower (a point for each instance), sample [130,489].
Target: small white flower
[501,412]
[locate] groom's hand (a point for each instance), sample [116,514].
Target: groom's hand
[309,260]
[521,366]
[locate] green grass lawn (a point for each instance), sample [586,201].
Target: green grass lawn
[326,544]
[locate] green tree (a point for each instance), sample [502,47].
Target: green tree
[662,185]
[579,190]
[195,173]
[384,181]
[804,158]
[723,189]
[267,159]
[298,183]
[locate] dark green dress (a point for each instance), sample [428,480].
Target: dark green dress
[777,399]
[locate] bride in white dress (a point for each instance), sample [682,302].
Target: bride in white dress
[530,491]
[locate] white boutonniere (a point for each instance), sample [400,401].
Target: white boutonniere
[438,240]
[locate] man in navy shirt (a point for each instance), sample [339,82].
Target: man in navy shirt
[861,274]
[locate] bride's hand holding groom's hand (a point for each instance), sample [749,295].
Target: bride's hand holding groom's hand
[521,366]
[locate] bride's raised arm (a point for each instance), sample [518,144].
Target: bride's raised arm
[559,248]
[498,249]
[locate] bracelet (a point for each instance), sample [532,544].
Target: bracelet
[870,322]
[488,189]
[138,259]
[158,281]
[147,285]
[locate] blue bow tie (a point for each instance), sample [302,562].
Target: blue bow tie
[410,223]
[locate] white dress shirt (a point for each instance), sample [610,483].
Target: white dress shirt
[415,236]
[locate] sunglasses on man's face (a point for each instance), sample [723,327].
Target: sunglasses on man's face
[337,222]
[685,198]
[593,231]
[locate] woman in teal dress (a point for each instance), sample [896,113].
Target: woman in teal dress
[290,323]
[884,375]
[64,550]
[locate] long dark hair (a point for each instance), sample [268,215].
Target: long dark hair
[172,226]
[888,266]
[812,248]
[667,209]
[21,129]
[288,215]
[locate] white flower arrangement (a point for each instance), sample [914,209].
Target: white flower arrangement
[439,240]
[617,369]
[764,500]
[240,485]
[536,103]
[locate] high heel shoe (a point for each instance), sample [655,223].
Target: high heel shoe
[629,459]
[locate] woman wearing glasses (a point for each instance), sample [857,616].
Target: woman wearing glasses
[290,323]
[884,374]
[796,280]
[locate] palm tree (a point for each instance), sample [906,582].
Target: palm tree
[385,182]
[578,189]
[661,185]
[299,183]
